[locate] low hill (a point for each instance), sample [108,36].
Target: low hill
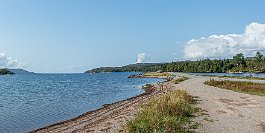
[139,67]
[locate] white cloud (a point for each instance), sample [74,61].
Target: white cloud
[142,57]
[8,62]
[224,46]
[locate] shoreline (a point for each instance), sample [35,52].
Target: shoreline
[90,115]
[221,109]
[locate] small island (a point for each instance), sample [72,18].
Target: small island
[5,71]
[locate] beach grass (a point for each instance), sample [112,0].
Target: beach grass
[181,79]
[156,74]
[236,77]
[238,86]
[171,112]
[241,77]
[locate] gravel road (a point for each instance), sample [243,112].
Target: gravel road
[225,111]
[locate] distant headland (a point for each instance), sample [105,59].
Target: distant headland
[6,71]
[236,64]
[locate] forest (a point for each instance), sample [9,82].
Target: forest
[237,64]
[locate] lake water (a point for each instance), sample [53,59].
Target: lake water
[30,101]
[260,75]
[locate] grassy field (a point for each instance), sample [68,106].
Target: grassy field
[168,113]
[244,87]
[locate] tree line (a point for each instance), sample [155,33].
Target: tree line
[239,63]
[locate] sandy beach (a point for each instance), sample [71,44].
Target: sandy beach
[225,111]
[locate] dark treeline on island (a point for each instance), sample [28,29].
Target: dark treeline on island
[20,71]
[5,71]
[238,63]
[140,67]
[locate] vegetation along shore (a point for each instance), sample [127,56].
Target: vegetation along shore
[244,87]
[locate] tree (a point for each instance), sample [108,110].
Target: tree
[258,56]
[239,60]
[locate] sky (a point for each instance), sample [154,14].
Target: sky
[68,36]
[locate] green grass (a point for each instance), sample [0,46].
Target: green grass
[181,79]
[169,113]
[243,87]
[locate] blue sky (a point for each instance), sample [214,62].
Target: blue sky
[73,36]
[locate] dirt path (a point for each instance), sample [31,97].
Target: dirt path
[226,111]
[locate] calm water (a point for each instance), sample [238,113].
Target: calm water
[261,75]
[35,100]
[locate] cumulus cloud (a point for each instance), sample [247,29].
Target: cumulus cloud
[8,62]
[142,57]
[225,46]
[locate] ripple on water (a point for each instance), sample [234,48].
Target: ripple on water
[35,100]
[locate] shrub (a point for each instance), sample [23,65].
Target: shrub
[167,113]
